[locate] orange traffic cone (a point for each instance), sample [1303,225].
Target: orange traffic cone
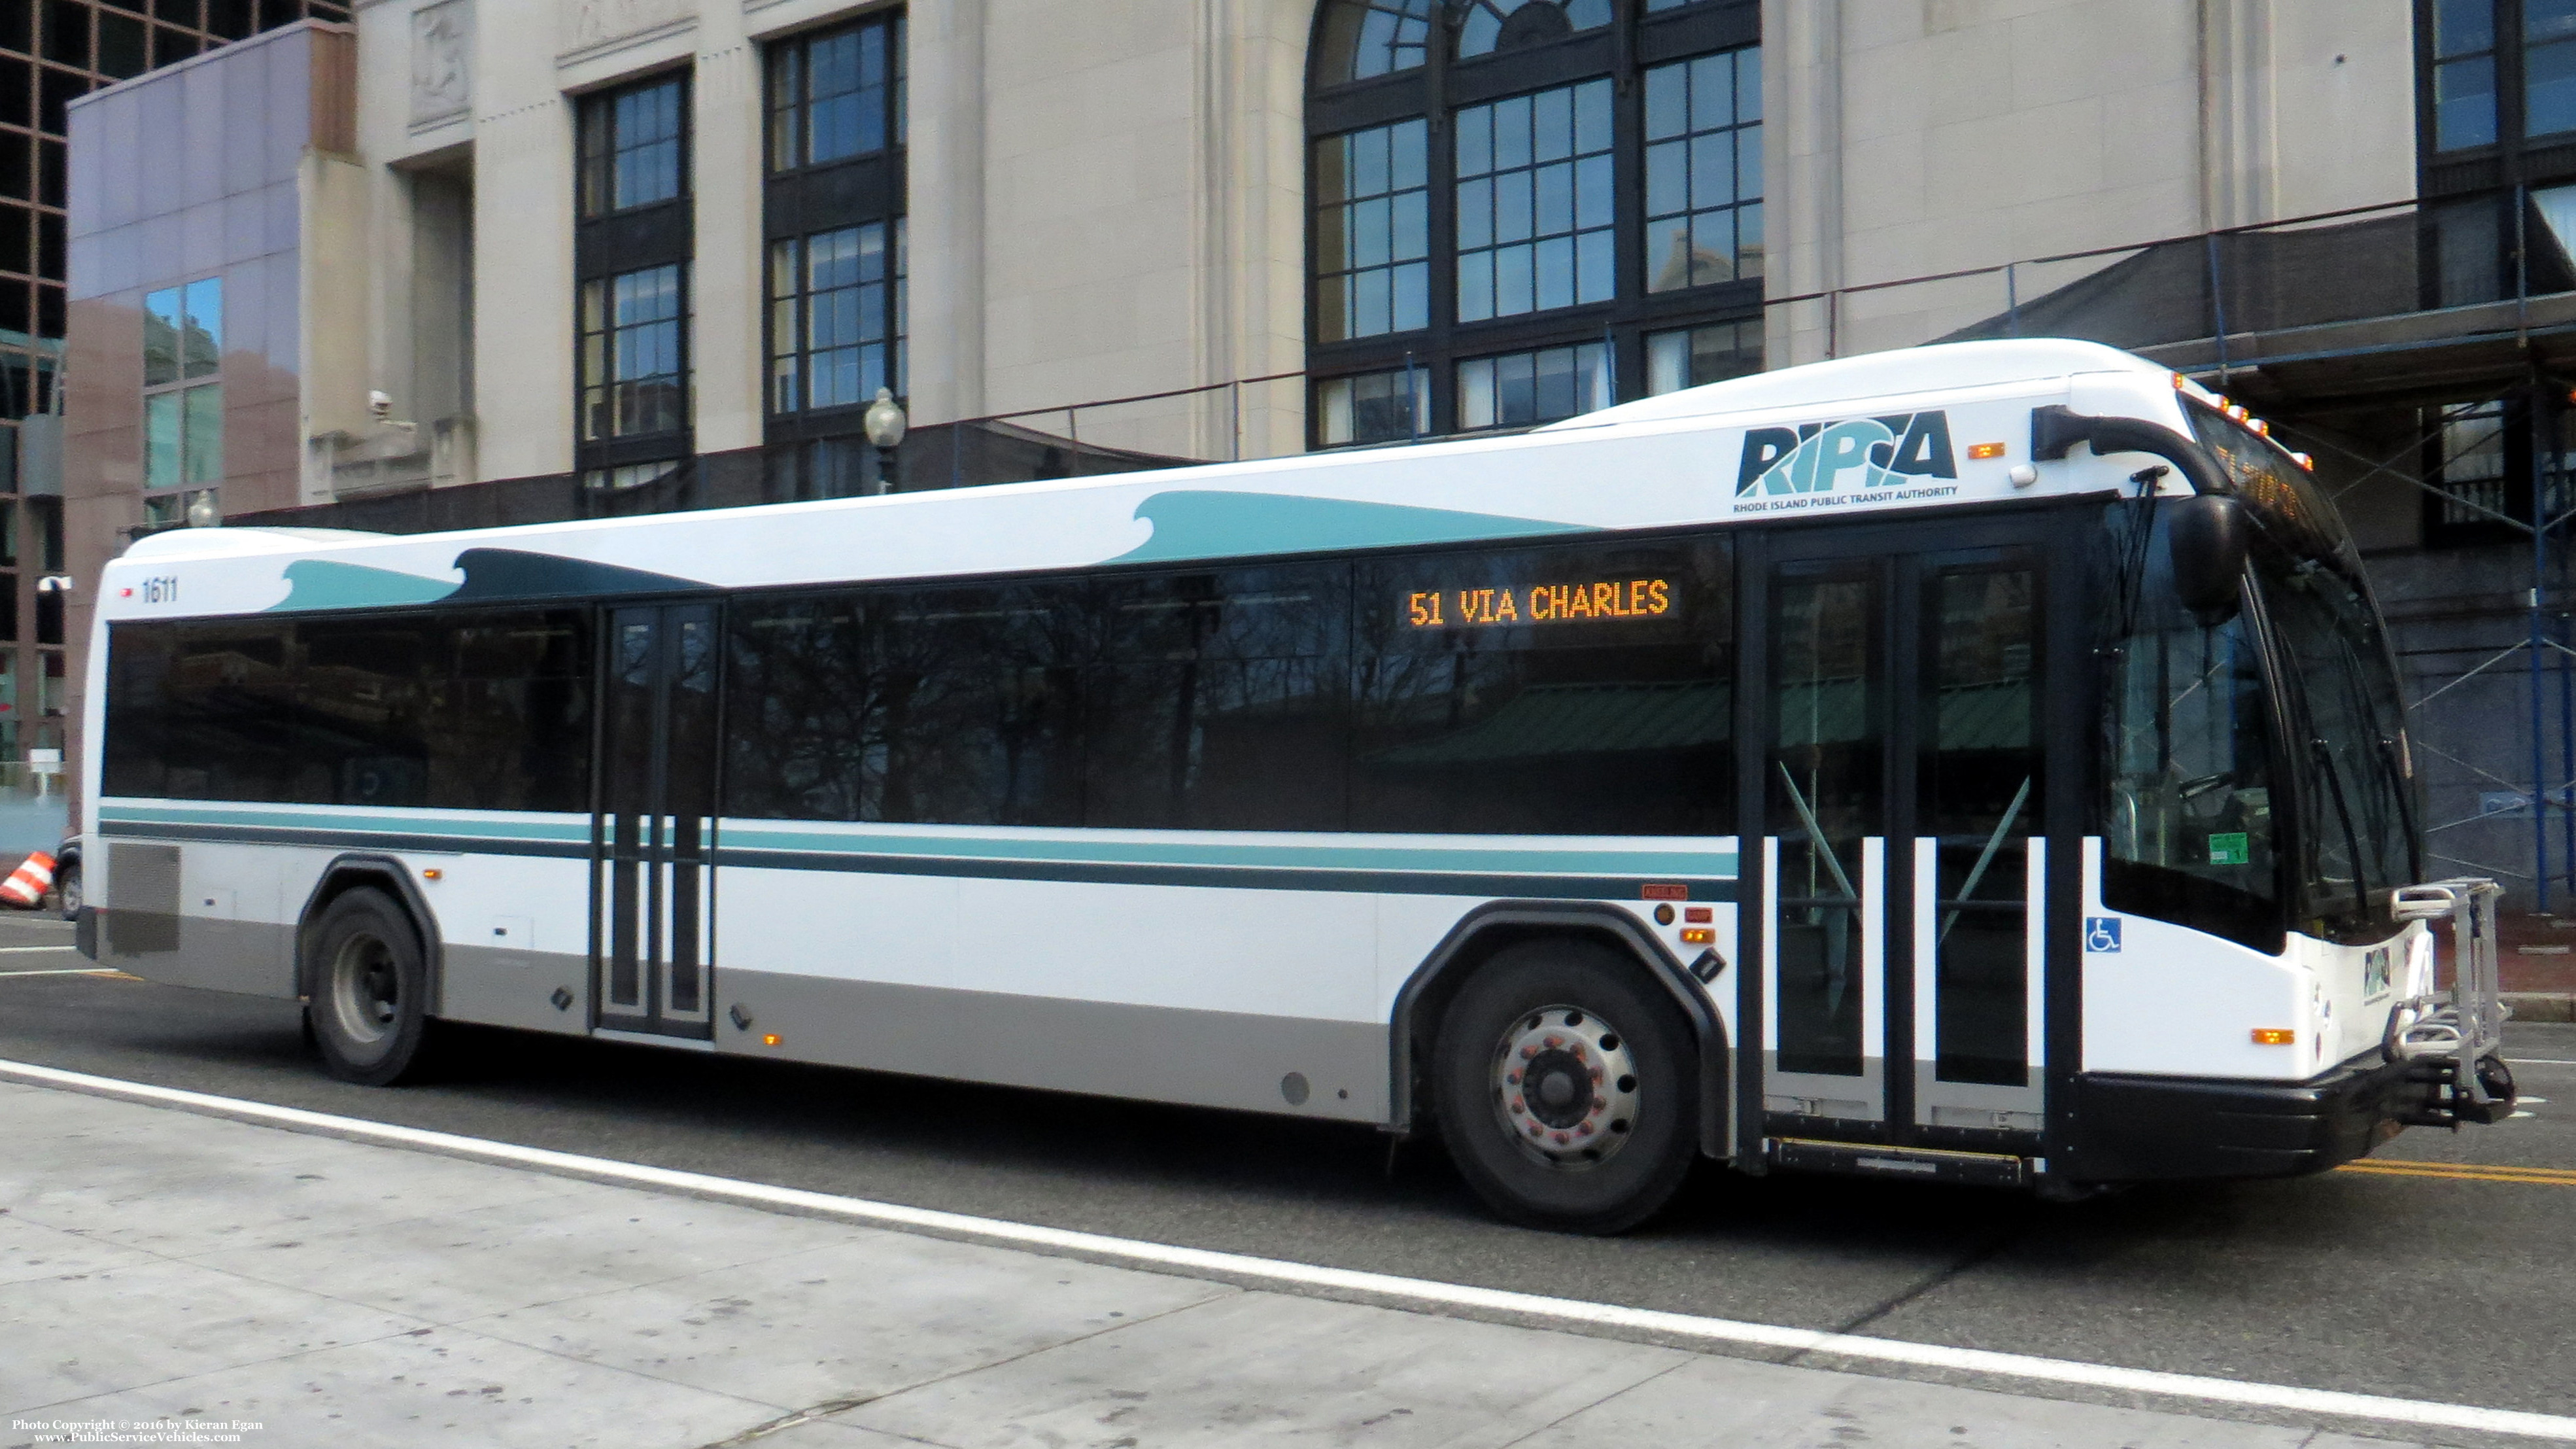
[26,886]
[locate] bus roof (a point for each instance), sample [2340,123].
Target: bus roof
[1929,426]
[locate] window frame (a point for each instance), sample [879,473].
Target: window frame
[596,169]
[166,503]
[608,380]
[816,198]
[620,242]
[1636,41]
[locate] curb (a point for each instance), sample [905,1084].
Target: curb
[2542,1005]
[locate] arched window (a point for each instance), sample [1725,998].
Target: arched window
[1526,209]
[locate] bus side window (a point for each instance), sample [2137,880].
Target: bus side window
[362,704]
[511,726]
[1220,701]
[803,717]
[134,762]
[227,716]
[1556,689]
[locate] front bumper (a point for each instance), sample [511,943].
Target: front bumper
[2144,1129]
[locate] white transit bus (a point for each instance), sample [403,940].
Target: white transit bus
[1978,763]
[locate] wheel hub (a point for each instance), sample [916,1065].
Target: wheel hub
[366,989]
[1565,1086]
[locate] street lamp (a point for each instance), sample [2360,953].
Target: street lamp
[885,424]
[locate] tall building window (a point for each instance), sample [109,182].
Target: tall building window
[631,257]
[836,316]
[634,146]
[1511,196]
[183,399]
[2496,73]
[1373,232]
[1704,171]
[1694,356]
[836,94]
[1534,202]
[833,215]
[634,353]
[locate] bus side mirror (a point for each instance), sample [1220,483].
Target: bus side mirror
[2206,537]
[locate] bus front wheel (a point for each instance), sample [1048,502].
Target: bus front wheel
[370,989]
[1563,1087]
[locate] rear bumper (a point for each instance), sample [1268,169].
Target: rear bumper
[2141,1129]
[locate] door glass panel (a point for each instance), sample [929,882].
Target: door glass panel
[1979,782]
[1827,791]
[627,790]
[689,760]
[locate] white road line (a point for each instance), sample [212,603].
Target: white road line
[2540,1062]
[1387,1289]
[79,971]
[16,950]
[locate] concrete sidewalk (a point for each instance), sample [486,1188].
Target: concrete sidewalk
[163,1270]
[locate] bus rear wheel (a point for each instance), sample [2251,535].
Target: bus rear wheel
[370,989]
[1563,1084]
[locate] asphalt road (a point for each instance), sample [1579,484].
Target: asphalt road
[2458,1288]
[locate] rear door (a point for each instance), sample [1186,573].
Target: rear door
[653,838]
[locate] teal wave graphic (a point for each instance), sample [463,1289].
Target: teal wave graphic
[1196,524]
[316,583]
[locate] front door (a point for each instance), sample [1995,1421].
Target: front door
[653,884]
[1901,822]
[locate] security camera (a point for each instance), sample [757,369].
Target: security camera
[381,404]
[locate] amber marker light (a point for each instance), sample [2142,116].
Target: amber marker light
[432,874]
[1985,450]
[769,1038]
[1699,935]
[2275,1036]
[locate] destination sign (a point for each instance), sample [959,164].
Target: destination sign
[1597,601]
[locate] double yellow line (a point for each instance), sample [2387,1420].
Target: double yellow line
[2467,1172]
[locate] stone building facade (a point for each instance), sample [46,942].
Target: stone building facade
[630,255]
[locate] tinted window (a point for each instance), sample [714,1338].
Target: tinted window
[512,731]
[1220,703]
[1556,690]
[226,716]
[132,759]
[363,704]
[945,706]
[983,705]
[806,719]
[475,712]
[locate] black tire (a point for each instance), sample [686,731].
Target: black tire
[370,990]
[1602,1172]
[67,892]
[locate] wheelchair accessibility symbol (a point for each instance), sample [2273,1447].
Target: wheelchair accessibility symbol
[2101,933]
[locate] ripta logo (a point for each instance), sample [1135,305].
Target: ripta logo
[1869,452]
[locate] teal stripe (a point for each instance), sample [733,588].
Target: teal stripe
[1705,864]
[472,826]
[1487,860]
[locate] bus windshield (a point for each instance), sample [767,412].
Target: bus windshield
[2259,777]
[2347,751]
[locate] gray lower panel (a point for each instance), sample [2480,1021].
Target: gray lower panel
[254,957]
[1278,1064]
[515,988]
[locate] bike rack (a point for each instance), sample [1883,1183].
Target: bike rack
[2461,1039]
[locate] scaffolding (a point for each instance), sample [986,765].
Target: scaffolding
[2456,316]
